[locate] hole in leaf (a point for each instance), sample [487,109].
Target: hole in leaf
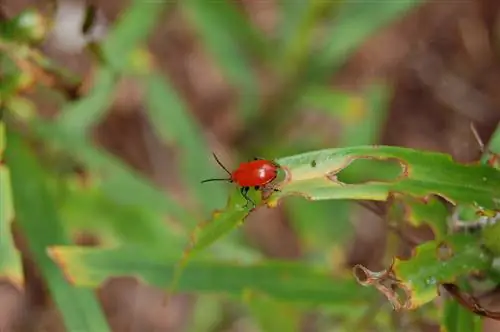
[444,251]
[361,274]
[364,170]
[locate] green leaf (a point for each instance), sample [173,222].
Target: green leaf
[172,120]
[272,315]
[458,319]
[294,282]
[346,106]
[355,23]
[3,142]
[131,30]
[220,28]
[118,182]
[321,224]
[367,117]
[10,263]
[87,208]
[432,212]
[292,12]
[40,225]
[490,237]
[432,263]
[78,117]
[208,311]
[314,176]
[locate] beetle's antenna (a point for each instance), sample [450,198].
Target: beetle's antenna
[220,164]
[223,167]
[209,180]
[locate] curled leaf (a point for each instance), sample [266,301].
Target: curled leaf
[432,263]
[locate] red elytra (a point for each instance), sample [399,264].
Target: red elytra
[257,173]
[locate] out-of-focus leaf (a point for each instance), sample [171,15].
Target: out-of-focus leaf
[21,108]
[220,29]
[490,237]
[3,142]
[10,263]
[131,30]
[458,319]
[292,13]
[76,118]
[272,315]
[88,209]
[294,282]
[321,224]
[172,120]
[356,21]
[366,118]
[433,263]
[40,225]
[118,182]
[298,49]
[29,26]
[348,107]
[207,312]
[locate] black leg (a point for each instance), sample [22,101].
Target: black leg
[257,187]
[244,192]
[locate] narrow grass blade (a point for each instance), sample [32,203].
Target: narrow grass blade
[173,122]
[220,29]
[10,263]
[40,225]
[294,282]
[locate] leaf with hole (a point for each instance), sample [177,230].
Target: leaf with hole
[432,263]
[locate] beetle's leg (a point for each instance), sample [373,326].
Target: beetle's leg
[257,187]
[244,192]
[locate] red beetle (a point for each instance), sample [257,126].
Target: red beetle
[257,173]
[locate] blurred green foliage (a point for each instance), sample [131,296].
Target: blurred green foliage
[155,235]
